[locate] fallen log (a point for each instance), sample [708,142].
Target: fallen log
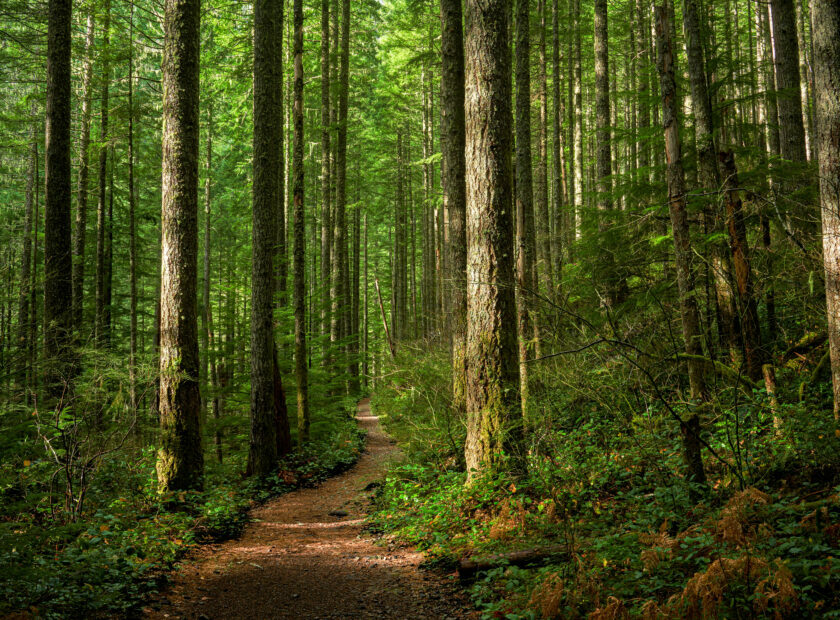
[468,568]
[809,341]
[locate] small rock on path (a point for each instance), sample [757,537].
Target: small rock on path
[306,557]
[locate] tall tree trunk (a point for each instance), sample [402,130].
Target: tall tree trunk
[493,401]
[709,175]
[58,317]
[526,245]
[99,317]
[299,233]
[180,463]
[559,183]
[132,238]
[339,258]
[80,230]
[805,93]
[543,227]
[791,130]
[574,235]
[768,75]
[683,254]
[282,262]
[825,19]
[607,279]
[262,456]
[326,226]
[454,188]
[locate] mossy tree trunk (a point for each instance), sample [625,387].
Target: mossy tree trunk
[180,462]
[493,403]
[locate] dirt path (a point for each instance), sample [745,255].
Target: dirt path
[298,561]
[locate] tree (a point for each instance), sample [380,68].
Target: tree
[101,329]
[526,245]
[683,253]
[454,184]
[491,354]
[180,462]
[80,231]
[326,229]
[825,19]
[299,232]
[786,55]
[58,318]
[262,456]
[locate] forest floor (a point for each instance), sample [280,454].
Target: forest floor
[305,556]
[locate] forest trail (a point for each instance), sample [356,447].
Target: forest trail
[298,561]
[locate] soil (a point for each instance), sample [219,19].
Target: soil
[297,560]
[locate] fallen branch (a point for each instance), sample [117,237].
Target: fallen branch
[469,567]
[809,341]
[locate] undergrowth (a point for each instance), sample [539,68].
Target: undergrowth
[606,491]
[120,550]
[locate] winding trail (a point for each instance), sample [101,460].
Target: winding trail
[298,561]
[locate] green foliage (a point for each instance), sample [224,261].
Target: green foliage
[121,546]
[606,482]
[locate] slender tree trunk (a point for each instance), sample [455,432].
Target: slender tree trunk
[132,237]
[786,54]
[493,402]
[558,162]
[804,84]
[326,226]
[611,283]
[280,211]
[452,139]
[825,16]
[339,258]
[80,230]
[180,463]
[709,175]
[543,227]
[58,317]
[526,244]
[683,254]
[578,125]
[99,319]
[768,74]
[299,233]
[365,356]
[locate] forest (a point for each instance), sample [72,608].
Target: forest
[420,309]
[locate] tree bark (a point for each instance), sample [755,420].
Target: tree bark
[825,19]
[339,257]
[452,139]
[80,231]
[58,317]
[301,369]
[526,245]
[100,329]
[545,264]
[262,456]
[132,237]
[683,254]
[493,402]
[791,130]
[180,462]
[326,227]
